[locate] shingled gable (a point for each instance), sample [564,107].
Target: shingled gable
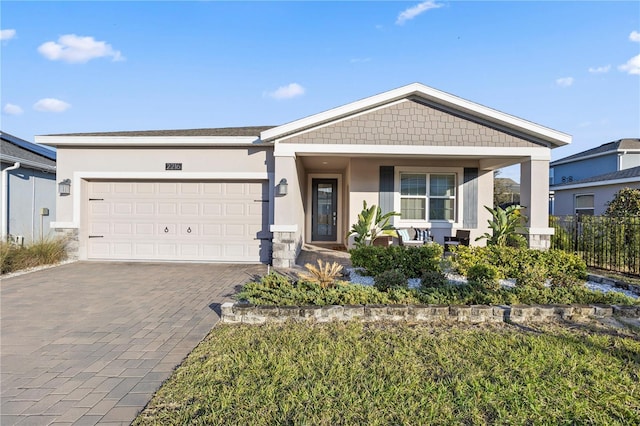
[417,102]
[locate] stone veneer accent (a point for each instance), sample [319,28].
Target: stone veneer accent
[519,314]
[73,242]
[409,123]
[285,249]
[539,241]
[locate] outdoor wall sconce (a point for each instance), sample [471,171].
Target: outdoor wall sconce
[283,187]
[64,187]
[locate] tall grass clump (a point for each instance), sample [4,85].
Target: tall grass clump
[44,252]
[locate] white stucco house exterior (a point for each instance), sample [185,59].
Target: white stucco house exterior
[220,194]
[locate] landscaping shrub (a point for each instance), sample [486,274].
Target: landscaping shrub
[431,279]
[412,261]
[391,280]
[562,279]
[532,275]
[511,262]
[485,275]
[44,252]
[283,292]
[275,280]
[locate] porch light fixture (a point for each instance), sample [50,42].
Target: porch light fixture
[283,187]
[64,187]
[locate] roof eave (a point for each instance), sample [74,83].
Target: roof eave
[142,141]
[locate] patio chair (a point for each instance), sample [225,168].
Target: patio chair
[383,241]
[462,238]
[409,237]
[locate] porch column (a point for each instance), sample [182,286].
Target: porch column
[534,196]
[288,214]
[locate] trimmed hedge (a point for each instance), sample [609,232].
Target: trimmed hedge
[411,261]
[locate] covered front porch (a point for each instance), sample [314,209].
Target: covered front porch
[439,193]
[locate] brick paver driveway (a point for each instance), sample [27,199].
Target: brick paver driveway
[90,342]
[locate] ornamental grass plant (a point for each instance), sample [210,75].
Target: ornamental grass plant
[44,252]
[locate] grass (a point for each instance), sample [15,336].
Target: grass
[45,252]
[381,374]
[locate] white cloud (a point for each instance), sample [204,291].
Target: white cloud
[51,105]
[634,36]
[412,12]
[75,49]
[11,109]
[564,81]
[7,34]
[632,66]
[287,92]
[600,70]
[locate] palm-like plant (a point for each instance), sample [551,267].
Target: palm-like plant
[371,224]
[503,223]
[325,274]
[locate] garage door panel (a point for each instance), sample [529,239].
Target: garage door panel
[191,209]
[144,208]
[124,229]
[167,188]
[99,209]
[145,188]
[216,221]
[144,229]
[234,209]
[212,209]
[143,250]
[190,188]
[123,249]
[170,208]
[122,209]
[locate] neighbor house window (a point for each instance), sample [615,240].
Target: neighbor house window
[429,197]
[584,204]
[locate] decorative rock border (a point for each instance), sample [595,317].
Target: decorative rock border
[520,314]
[614,283]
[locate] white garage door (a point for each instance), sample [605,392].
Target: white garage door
[183,221]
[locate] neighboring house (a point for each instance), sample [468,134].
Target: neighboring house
[257,194]
[590,196]
[584,183]
[28,189]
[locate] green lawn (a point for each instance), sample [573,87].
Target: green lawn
[381,374]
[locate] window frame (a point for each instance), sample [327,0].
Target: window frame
[576,209]
[428,172]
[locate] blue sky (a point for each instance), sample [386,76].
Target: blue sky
[105,66]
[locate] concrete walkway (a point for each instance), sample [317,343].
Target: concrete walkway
[89,342]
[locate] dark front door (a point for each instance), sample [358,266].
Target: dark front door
[324,216]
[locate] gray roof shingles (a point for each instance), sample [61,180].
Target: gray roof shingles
[224,131]
[9,146]
[633,172]
[621,144]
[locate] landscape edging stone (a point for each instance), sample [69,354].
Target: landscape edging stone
[245,313]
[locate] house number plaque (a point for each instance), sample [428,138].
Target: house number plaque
[173,166]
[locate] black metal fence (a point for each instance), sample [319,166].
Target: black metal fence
[608,243]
